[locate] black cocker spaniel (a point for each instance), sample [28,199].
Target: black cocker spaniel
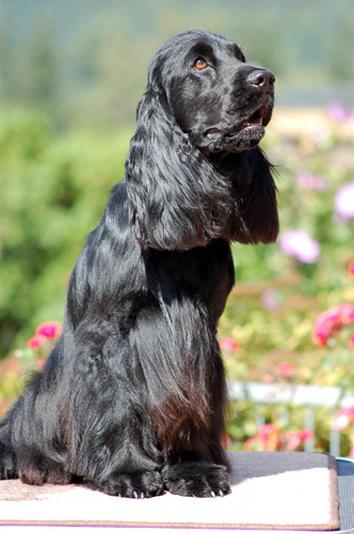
[132,397]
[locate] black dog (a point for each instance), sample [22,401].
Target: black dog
[132,397]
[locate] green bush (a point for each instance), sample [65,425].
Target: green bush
[53,190]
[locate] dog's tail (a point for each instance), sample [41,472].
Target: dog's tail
[8,461]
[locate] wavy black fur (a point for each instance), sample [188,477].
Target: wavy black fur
[132,397]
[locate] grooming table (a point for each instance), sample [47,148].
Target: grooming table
[270,491]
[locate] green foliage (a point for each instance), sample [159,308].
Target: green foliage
[52,194]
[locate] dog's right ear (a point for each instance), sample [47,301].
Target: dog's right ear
[175,200]
[256,217]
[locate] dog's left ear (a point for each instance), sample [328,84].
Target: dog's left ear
[175,200]
[256,216]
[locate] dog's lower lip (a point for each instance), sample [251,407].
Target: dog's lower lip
[212,131]
[256,120]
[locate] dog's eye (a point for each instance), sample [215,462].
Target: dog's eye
[200,63]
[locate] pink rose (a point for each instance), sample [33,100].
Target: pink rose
[332,320]
[36,341]
[285,369]
[49,330]
[228,344]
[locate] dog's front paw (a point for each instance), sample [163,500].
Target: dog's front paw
[134,485]
[196,479]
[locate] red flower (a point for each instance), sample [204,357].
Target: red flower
[49,330]
[36,341]
[228,344]
[351,269]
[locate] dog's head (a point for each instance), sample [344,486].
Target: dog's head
[221,101]
[194,166]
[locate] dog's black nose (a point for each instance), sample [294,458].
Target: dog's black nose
[262,79]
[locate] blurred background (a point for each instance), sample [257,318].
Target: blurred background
[71,74]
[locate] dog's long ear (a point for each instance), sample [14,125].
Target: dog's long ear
[175,200]
[256,216]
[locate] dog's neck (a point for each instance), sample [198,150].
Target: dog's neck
[235,166]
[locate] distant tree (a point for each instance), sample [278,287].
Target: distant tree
[341,56]
[39,75]
[6,82]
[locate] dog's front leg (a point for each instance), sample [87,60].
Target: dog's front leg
[185,384]
[192,474]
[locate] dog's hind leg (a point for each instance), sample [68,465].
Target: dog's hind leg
[35,469]
[8,460]
[111,444]
[30,444]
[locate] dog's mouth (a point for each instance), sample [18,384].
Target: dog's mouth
[255,121]
[245,134]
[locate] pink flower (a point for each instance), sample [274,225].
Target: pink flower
[296,438]
[305,434]
[351,341]
[49,330]
[338,112]
[285,369]
[344,202]
[229,344]
[351,269]
[310,181]
[300,245]
[332,320]
[270,299]
[344,417]
[346,313]
[36,341]
[265,431]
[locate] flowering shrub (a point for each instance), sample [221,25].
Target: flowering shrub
[270,437]
[19,367]
[300,245]
[351,269]
[44,333]
[338,112]
[344,422]
[331,321]
[228,344]
[311,181]
[344,202]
